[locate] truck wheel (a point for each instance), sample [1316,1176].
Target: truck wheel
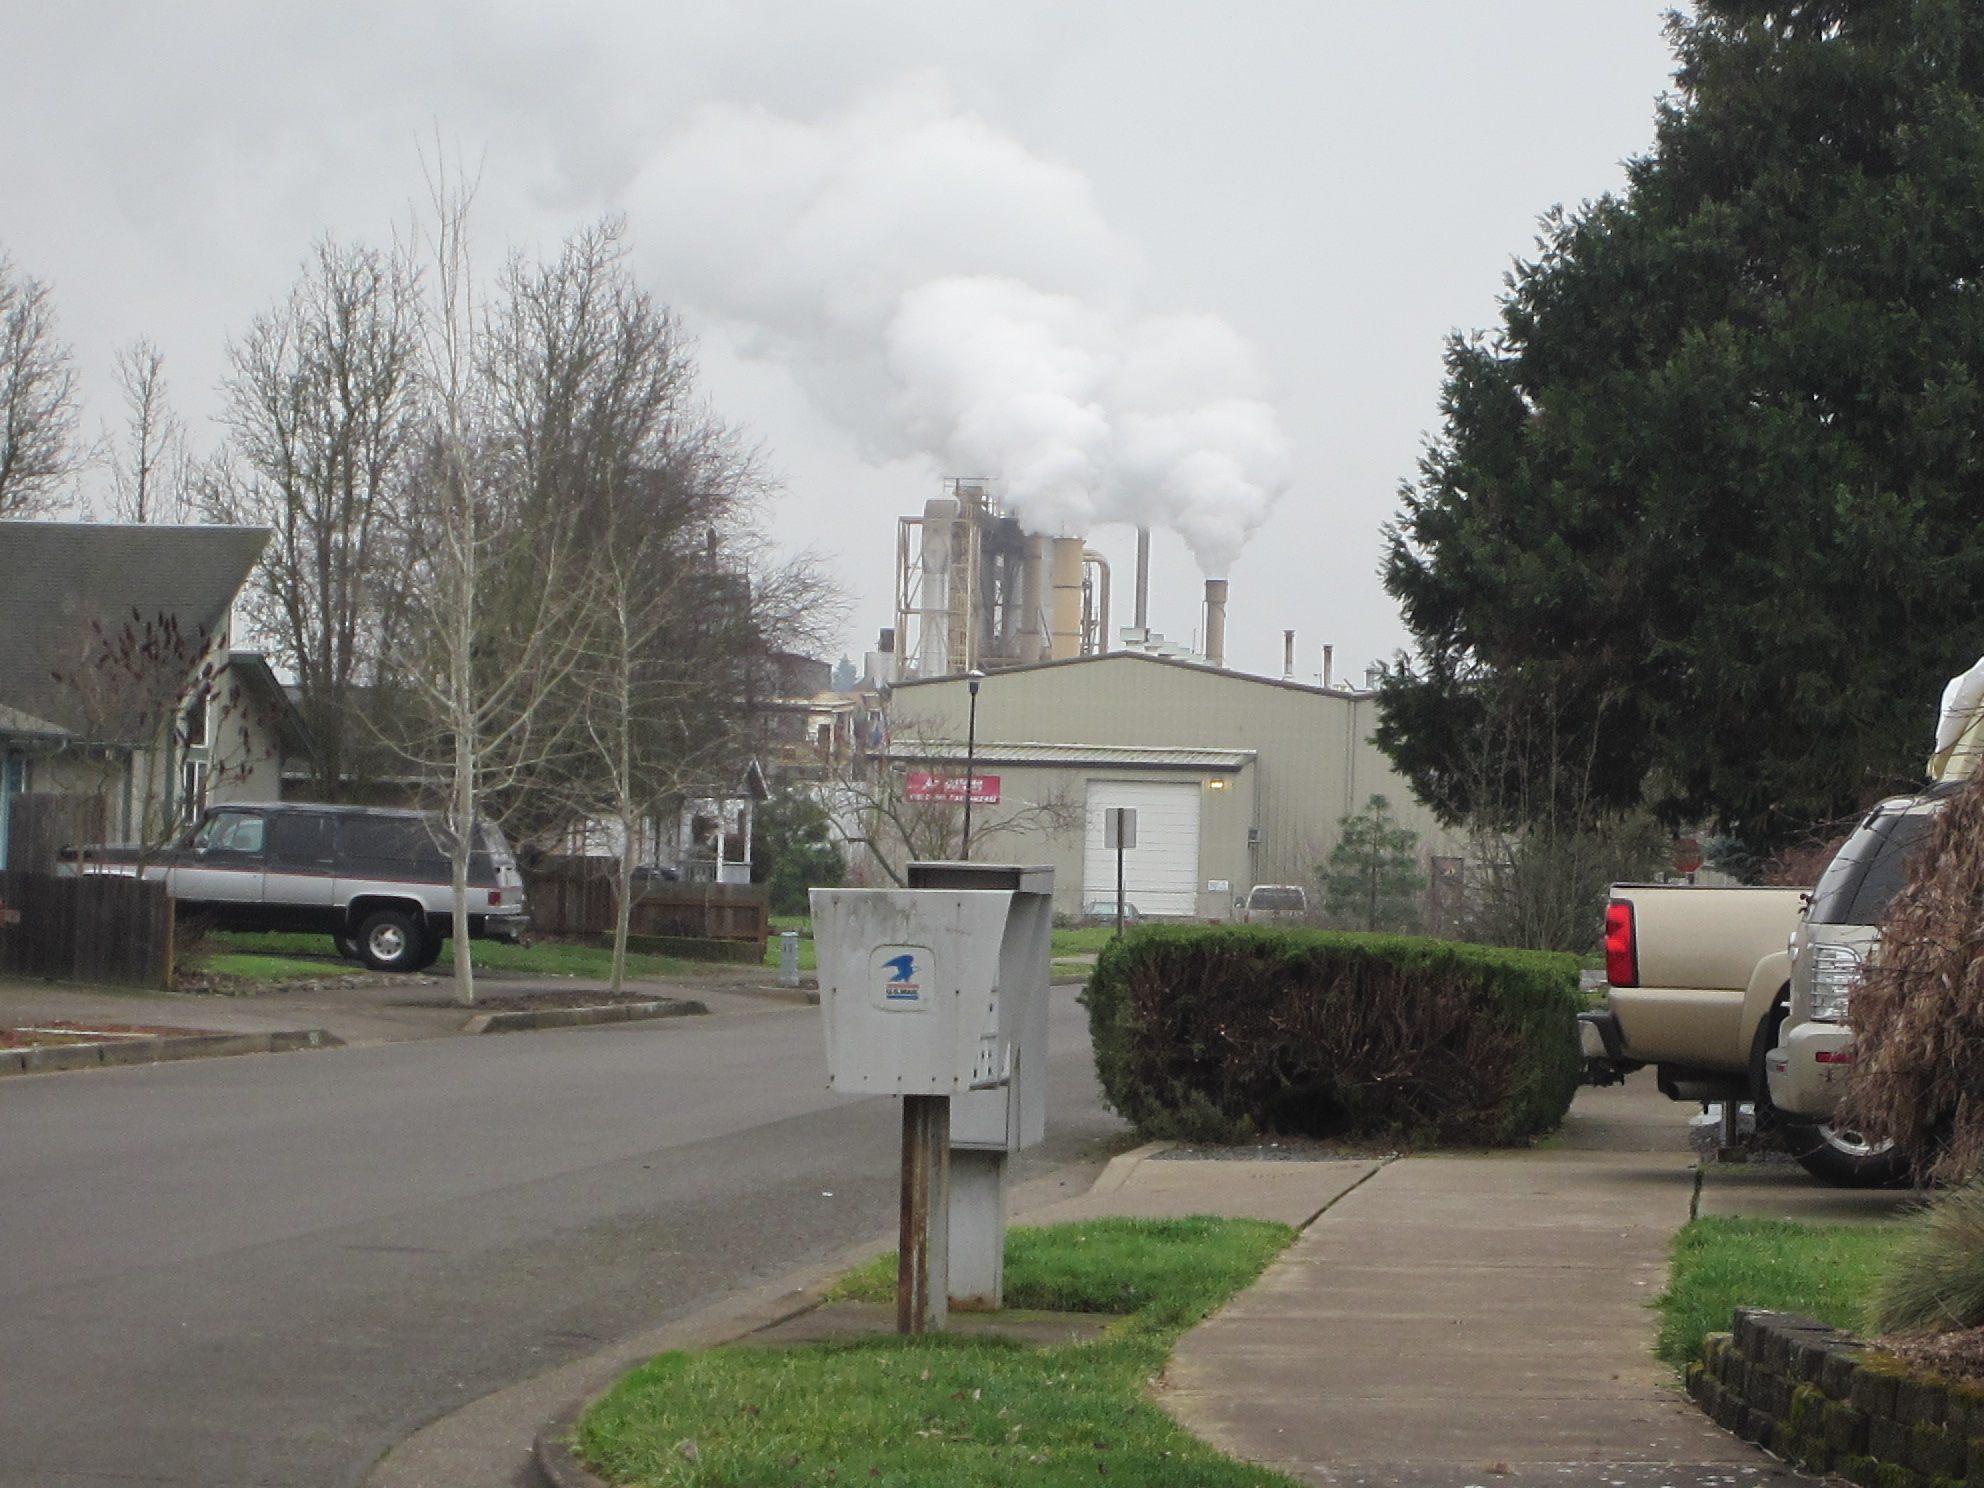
[391,940]
[1844,1159]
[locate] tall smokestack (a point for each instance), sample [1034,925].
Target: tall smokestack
[1288,656]
[1329,654]
[1064,633]
[1216,622]
[1143,579]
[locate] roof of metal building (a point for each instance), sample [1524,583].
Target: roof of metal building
[1074,754]
[1121,655]
[61,581]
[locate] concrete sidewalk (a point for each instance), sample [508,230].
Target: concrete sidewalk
[1476,1320]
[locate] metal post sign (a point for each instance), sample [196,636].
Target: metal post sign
[1119,827]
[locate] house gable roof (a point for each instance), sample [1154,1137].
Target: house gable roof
[59,580]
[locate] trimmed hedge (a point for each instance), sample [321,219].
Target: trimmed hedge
[1225,1033]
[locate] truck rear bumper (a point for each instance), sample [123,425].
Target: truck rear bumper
[1604,1049]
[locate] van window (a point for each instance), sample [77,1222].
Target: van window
[1870,868]
[230,831]
[387,839]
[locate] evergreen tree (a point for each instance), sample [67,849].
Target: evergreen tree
[793,850]
[1372,880]
[1713,487]
[845,675]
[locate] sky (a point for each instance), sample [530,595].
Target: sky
[1136,259]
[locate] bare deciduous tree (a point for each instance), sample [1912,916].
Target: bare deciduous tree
[495,610]
[324,402]
[148,473]
[37,396]
[875,812]
[145,690]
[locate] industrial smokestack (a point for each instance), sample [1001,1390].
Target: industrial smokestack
[1033,599]
[1216,622]
[1329,652]
[1143,579]
[1064,635]
[1288,656]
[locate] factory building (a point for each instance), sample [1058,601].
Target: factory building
[1237,779]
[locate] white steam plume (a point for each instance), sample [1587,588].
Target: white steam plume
[936,286]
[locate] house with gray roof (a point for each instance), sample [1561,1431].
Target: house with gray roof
[119,692]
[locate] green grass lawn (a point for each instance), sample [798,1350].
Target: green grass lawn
[809,956]
[1822,1271]
[314,955]
[963,1413]
[1085,940]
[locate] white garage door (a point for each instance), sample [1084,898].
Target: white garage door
[1161,873]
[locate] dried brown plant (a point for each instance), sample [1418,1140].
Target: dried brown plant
[1918,1011]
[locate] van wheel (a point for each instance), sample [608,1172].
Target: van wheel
[391,940]
[1844,1158]
[431,946]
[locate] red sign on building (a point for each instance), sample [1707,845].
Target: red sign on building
[924,786]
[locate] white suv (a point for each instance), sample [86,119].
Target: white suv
[1836,935]
[1267,902]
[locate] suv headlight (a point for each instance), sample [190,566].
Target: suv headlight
[1835,968]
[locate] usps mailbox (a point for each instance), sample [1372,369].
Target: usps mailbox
[909,986]
[940,989]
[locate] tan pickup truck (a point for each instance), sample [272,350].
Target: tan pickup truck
[1696,982]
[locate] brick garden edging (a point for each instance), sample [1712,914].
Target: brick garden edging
[1825,1401]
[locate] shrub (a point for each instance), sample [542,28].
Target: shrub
[1918,1012]
[1218,1034]
[1933,1279]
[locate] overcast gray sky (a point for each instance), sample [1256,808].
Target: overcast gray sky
[1149,255]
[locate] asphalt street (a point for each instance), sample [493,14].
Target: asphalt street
[268,1270]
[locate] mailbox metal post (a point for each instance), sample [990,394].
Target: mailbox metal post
[923,1246]
[988,1125]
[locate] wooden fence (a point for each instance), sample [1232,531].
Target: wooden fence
[40,825]
[94,929]
[573,897]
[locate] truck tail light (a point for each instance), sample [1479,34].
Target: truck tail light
[495,896]
[1622,952]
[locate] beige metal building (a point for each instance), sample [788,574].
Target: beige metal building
[1237,779]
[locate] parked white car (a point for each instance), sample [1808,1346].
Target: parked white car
[1269,902]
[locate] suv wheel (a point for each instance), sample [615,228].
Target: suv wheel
[347,946]
[391,940]
[1844,1158]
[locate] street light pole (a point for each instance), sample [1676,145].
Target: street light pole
[972,679]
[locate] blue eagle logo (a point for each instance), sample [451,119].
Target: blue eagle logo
[903,967]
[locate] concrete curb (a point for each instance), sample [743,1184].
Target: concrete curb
[551,1454]
[52,1058]
[584,1017]
[1123,1164]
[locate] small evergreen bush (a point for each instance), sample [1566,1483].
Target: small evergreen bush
[1223,1033]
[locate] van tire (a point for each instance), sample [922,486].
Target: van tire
[1842,1158]
[391,940]
[431,945]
